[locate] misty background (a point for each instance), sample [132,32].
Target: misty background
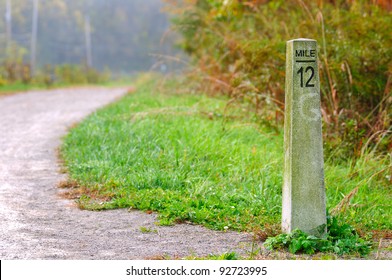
[123,36]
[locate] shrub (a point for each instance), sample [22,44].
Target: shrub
[239,50]
[341,239]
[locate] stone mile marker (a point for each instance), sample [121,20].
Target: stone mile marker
[304,205]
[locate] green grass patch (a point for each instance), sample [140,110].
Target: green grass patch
[148,230]
[18,87]
[193,158]
[226,256]
[21,87]
[178,155]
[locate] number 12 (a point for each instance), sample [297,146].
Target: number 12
[301,72]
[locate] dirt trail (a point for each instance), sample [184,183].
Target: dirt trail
[37,224]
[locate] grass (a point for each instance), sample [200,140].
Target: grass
[193,158]
[23,87]
[148,230]
[18,87]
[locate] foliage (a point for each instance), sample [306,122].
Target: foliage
[239,50]
[341,239]
[17,76]
[225,256]
[148,230]
[194,159]
[74,74]
[124,33]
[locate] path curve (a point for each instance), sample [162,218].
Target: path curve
[37,224]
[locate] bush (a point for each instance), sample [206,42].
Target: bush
[341,239]
[67,74]
[239,48]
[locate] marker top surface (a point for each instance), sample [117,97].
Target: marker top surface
[301,40]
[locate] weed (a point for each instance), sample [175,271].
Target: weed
[148,230]
[224,256]
[341,239]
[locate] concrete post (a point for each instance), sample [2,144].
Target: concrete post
[303,190]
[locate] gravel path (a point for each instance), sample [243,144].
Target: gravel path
[37,224]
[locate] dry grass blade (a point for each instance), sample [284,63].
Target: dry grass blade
[344,203]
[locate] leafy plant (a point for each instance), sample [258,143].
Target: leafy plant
[148,230]
[341,239]
[224,256]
